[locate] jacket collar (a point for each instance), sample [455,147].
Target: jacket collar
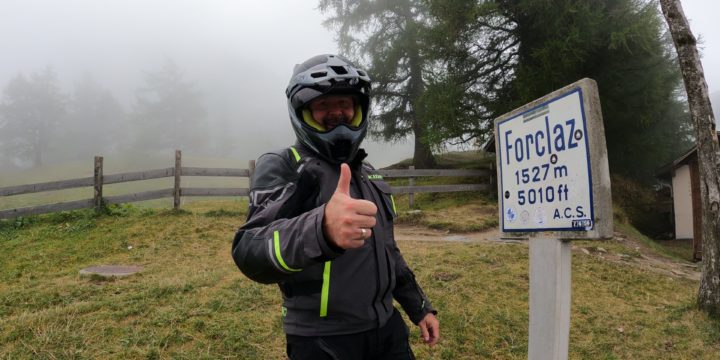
[355,164]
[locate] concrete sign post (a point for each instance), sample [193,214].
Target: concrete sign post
[553,186]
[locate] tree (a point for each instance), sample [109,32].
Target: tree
[471,44]
[708,152]
[621,45]
[169,113]
[29,114]
[94,122]
[395,57]
[445,69]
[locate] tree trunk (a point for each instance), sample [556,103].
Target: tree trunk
[708,152]
[422,156]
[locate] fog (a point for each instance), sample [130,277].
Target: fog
[237,54]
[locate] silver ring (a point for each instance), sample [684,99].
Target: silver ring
[362,233]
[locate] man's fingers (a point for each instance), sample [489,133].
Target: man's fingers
[365,233]
[357,239]
[435,331]
[430,329]
[424,331]
[354,244]
[365,207]
[357,232]
[362,221]
[343,185]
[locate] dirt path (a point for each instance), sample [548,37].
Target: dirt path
[638,254]
[419,233]
[649,259]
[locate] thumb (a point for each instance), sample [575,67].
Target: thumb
[343,185]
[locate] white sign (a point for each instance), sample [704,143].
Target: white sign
[553,176]
[544,166]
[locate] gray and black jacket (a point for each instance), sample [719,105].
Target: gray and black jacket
[326,290]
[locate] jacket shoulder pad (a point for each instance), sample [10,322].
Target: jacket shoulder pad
[273,169]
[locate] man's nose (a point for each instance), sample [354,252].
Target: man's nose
[335,110]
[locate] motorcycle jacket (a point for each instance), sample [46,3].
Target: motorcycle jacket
[326,290]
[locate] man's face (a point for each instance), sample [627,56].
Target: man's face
[333,110]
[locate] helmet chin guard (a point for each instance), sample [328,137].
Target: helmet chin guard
[328,75]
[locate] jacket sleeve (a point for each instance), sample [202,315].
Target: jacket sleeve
[407,291]
[283,234]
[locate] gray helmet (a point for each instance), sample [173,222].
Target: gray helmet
[325,75]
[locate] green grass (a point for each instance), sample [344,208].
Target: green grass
[678,253]
[191,302]
[455,212]
[678,249]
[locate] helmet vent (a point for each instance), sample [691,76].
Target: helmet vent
[340,70]
[319,74]
[361,73]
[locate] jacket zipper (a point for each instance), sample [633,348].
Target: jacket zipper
[359,181]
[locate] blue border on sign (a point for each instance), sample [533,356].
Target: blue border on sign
[587,152]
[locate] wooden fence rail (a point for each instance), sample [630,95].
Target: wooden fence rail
[98,180]
[403,173]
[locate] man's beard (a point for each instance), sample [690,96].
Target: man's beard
[332,121]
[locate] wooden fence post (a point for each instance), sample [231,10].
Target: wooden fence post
[178,173]
[411,182]
[98,183]
[251,170]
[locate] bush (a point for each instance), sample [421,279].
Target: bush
[641,206]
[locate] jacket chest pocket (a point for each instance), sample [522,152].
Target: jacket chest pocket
[384,192]
[388,201]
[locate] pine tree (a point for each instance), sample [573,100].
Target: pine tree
[30,113]
[394,54]
[621,44]
[169,113]
[95,122]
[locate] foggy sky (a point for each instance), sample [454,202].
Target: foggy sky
[239,53]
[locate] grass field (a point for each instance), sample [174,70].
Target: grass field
[191,302]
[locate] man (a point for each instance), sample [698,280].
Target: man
[321,226]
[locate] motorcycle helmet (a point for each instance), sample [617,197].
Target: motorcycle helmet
[328,75]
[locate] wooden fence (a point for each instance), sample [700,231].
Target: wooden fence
[176,192]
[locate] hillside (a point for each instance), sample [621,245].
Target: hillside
[632,297]
[190,301]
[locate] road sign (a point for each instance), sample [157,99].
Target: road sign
[554,185]
[550,154]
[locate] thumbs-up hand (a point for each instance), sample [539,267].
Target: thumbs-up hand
[347,221]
